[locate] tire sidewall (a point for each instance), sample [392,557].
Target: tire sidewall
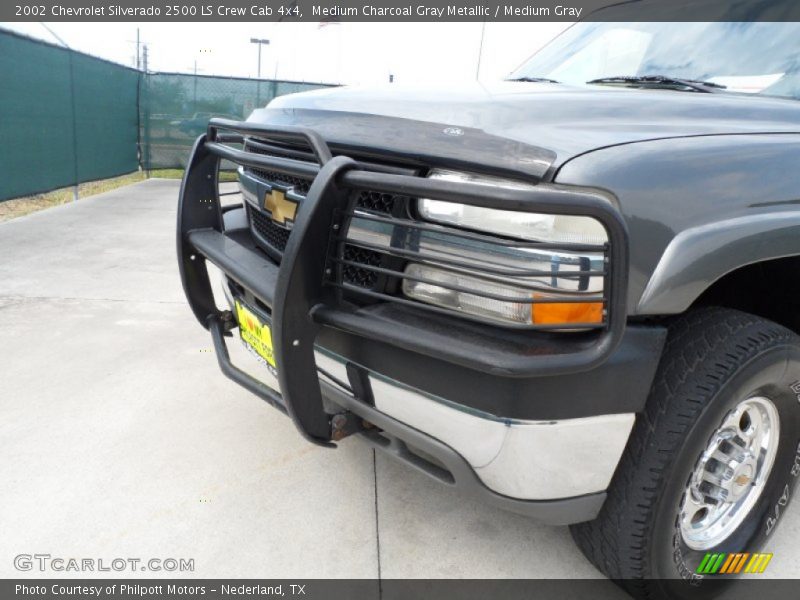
[775,374]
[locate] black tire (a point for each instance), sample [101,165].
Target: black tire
[713,359]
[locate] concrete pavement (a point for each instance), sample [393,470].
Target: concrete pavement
[120,437]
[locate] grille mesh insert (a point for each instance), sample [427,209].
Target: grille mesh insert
[276,237]
[300,185]
[379,202]
[361,277]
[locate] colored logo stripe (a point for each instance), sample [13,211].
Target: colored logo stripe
[740,563]
[729,564]
[758,564]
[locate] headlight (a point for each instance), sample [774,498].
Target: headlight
[521,225]
[502,276]
[495,301]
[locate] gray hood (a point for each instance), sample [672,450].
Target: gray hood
[529,127]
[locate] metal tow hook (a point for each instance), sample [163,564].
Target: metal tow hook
[344,424]
[228,323]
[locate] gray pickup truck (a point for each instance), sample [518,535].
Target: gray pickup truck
[574,293]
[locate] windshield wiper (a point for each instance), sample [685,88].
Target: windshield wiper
[706,87]
[533,80]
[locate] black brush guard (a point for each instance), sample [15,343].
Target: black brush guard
[302,296]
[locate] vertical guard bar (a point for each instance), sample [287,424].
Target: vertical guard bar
[298,290]
[198,208]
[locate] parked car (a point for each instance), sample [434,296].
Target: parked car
[196,124]
[573,293]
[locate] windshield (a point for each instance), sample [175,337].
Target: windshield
[754,58]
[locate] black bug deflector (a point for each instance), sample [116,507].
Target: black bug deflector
[305,292]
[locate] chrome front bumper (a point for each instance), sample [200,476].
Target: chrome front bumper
[525,460]
[528,460]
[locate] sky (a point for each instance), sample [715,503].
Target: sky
[348,53]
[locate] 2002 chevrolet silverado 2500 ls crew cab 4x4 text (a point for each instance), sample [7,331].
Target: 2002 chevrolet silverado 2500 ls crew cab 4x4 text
[574,293]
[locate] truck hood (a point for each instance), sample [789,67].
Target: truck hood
[516,126]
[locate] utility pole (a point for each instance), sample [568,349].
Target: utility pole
[138,61]
[480,51]
[144,58]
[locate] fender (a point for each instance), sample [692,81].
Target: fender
[697,208]
[699,256]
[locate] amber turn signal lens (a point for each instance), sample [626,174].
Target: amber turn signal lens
[566,313]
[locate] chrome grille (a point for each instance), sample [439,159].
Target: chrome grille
[301,186]
[274,238]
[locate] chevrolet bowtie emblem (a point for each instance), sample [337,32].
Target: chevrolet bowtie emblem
[280,207]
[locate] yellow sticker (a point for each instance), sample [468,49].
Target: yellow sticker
[255,334]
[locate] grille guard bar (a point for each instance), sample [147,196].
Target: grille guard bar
[302,303]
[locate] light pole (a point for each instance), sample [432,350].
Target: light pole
[260,42]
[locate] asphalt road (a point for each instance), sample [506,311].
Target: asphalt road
[119,436]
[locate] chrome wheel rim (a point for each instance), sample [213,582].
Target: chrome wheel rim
[730,475]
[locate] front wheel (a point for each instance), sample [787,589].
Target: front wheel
[712,462]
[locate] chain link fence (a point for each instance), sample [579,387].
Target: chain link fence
[176,108]
[68,118]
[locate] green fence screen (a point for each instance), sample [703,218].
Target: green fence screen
[67,118]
